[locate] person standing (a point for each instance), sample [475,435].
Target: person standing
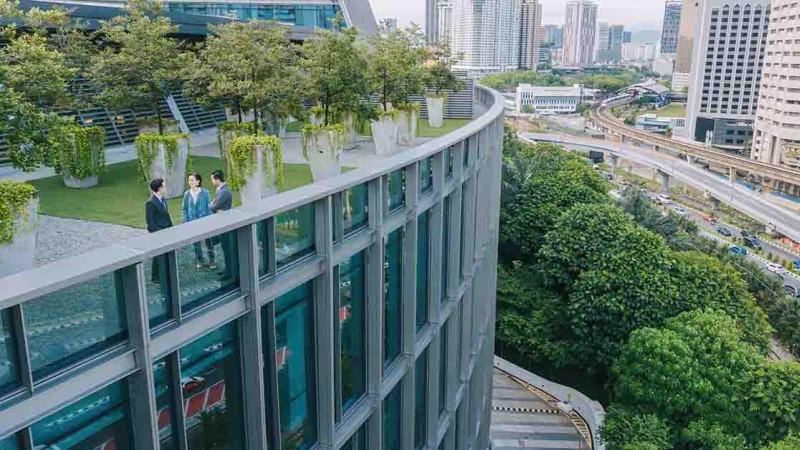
[196,205]
[156,214]
[223,201]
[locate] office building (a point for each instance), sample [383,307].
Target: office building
[431,20]
[671,27]
[776,138]
[445,16]
[664,65]
[638,52]
[683,60]
[579,33]
[486,35]
[731,36]
[553,35]
[627,36]
[530,34]
[602,43]
[552,99]
[609,43]
[658,124]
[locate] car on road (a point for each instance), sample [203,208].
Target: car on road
[791,291]
[746,233]
[796,264]
[723,231]
[710,219]
[679,210]
[663,199]
[752,241]
[736,250]
[776,268]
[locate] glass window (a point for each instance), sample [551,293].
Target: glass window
[157,290]
[426,174]
[352,328]
[355,208]
[420,389]
[167,433]
[294,356]
[392,293]
[13,442]
[462,235]
[218,275]
[443,362]
[261,242]
[9,360]
[422,270]
[445,246]
[466,151]
[71,324]
[99,420]
[294,234]
[391,420]
[212,391]
[358,441]
[448,161]
[397,189]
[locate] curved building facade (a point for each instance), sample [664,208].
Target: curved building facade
[356,313]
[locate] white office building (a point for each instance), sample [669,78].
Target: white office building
[777,127]
[580,33]
[683,59]
[638,52]
[486,35]
[445,17]
[530,34]
[552,99]
[730,39]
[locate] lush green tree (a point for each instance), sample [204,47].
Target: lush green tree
[508,81]
[140,63]
[334,64]
[37,72]
[250,65]
[774,400]
[791,442]
[395,65]
[676,230]
[438,66]
[623,430]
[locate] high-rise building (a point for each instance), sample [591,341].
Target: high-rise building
[391,24]
[683,60]
[638,52]
[530,34]
[553,35]
[776,138]
[627,36]
[580,33]
[671,27]
[602,42]
[445,16]
[726,71]
[485,33]
[609,43]
[431,20]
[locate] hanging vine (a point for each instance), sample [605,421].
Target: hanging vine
[147,146]
[227,132]
[335,135]
[242,159]
[80,151]
[14,199]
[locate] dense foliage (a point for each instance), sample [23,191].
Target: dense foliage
[395,69]
[14,199]
[242,159]
[609,82]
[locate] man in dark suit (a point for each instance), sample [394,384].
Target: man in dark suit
[157,217]
[223,201]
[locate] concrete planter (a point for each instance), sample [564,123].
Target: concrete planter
[20,253]
[323,151]
[260,184]
[151,127]
[80,183]
[384,134]
[435,111]
[233,116]
[350,129]
[406,127]
[174,174]
[274,125]
[316,119]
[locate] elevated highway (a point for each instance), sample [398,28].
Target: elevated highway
[615,128]
[785,221]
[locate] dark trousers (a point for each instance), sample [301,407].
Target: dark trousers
[159,265]
[225,242]
[198,251]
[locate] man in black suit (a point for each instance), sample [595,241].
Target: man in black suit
[157,217]
[223,201]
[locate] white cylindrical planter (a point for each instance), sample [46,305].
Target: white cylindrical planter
[350,128]
[406,127]
[384,135]
[316,119]
[20,253]
[260,184]
[233,116]
[324,154]
[435,111]
[174,175]
[79,183]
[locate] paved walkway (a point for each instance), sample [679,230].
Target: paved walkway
[59,238]
[523,418]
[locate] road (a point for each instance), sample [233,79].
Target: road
[739,197]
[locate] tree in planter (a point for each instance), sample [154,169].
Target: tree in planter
[18,217]
[333,64]
[439,78]
[255,166]
[140,63]
[80,154]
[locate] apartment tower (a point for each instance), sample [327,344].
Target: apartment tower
[530,34]
[579,33]
[486,35]
[671,27]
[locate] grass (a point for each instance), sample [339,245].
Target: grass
[672,110]
[423,129]
[120,196]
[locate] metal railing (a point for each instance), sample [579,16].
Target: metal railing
[462,206]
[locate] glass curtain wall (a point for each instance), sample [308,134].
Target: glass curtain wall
[393,291]
[420,389]
[351,370]
[422,270]
[392,419]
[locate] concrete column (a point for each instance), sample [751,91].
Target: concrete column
[732,175]
[664,179]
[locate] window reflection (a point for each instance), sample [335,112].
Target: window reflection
[74,323]
[443,358]
[352,328]
[157,289]
[397,189]
[307,16]
[13,442]
[217,276]
[445,247]
[391,420]
[392,293]
[294,234]
[9,361]
[355,208]
[422,270]
[99,420]
[294,357]
[358,441]
[426,174]
[165,412]
[212,391]
[448,161]
[420,387]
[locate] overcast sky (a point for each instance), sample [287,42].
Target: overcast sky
[634,14]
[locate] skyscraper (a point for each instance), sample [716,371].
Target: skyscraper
[486,35]
[683,60]
[530,34]
[579,33]
[602,42]
[776,138]
[671,27]
[431,20]
[553,35]
[616,35]
[726,71]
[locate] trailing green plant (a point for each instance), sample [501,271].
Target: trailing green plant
[14,199]
[335,135]
[80,151]
[242,159]
[147,146]
[227,132]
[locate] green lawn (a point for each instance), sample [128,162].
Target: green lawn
[423,130]
[672,110]
[120,196]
